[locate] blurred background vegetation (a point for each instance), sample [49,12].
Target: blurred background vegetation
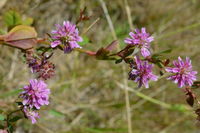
[85,93]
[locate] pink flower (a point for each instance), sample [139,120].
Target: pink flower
[183,73]
[142,73]
[30,114]
[66,35]
[140,39]
[35,94]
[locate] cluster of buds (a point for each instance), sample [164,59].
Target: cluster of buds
[40,65]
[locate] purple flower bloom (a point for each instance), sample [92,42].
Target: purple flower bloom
[66,35]
[30,114]
[35,94]
[141,39]
[183,73]
[142,73]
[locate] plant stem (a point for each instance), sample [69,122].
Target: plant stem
[128,109]
[8,116]
[85,31]
[105,10]
[128,12]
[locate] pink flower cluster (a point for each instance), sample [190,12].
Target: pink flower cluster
[140,39]
[142,72]
[34,95]
[31,114]
[182,72]
[66,35]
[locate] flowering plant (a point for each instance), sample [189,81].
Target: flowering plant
[137,54]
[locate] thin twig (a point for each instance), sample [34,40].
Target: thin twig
[125,80]
[128,12]
[85,31]
[153,94]
[44,128]
[155,101]
[12,67]
[128,109]
[75,121]
[105,10]
[173,124]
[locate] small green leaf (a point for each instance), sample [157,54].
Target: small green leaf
[2,117]
[85,41]
[15,118]
[179,107]
[44,49]
[27,21]
[1,111]
[2,32]
[166,51]
[10,128]
[159,64]
[56,113]
[118,61]
[196,84]
[156,55]
[10,93]
[12,18]
[2,126]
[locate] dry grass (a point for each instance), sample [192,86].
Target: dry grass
[85,92]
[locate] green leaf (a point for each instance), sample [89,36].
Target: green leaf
[44,49]
[10,93]
[196,84]
[159,64]
[12,18]
[10,128]
[2,32]
[2,117]
[2,126]
[28,21]
[118,61]
[179,107]
[85,41]
[15,118]
[166,51]
[56,113]
[156,55]
[1,111]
